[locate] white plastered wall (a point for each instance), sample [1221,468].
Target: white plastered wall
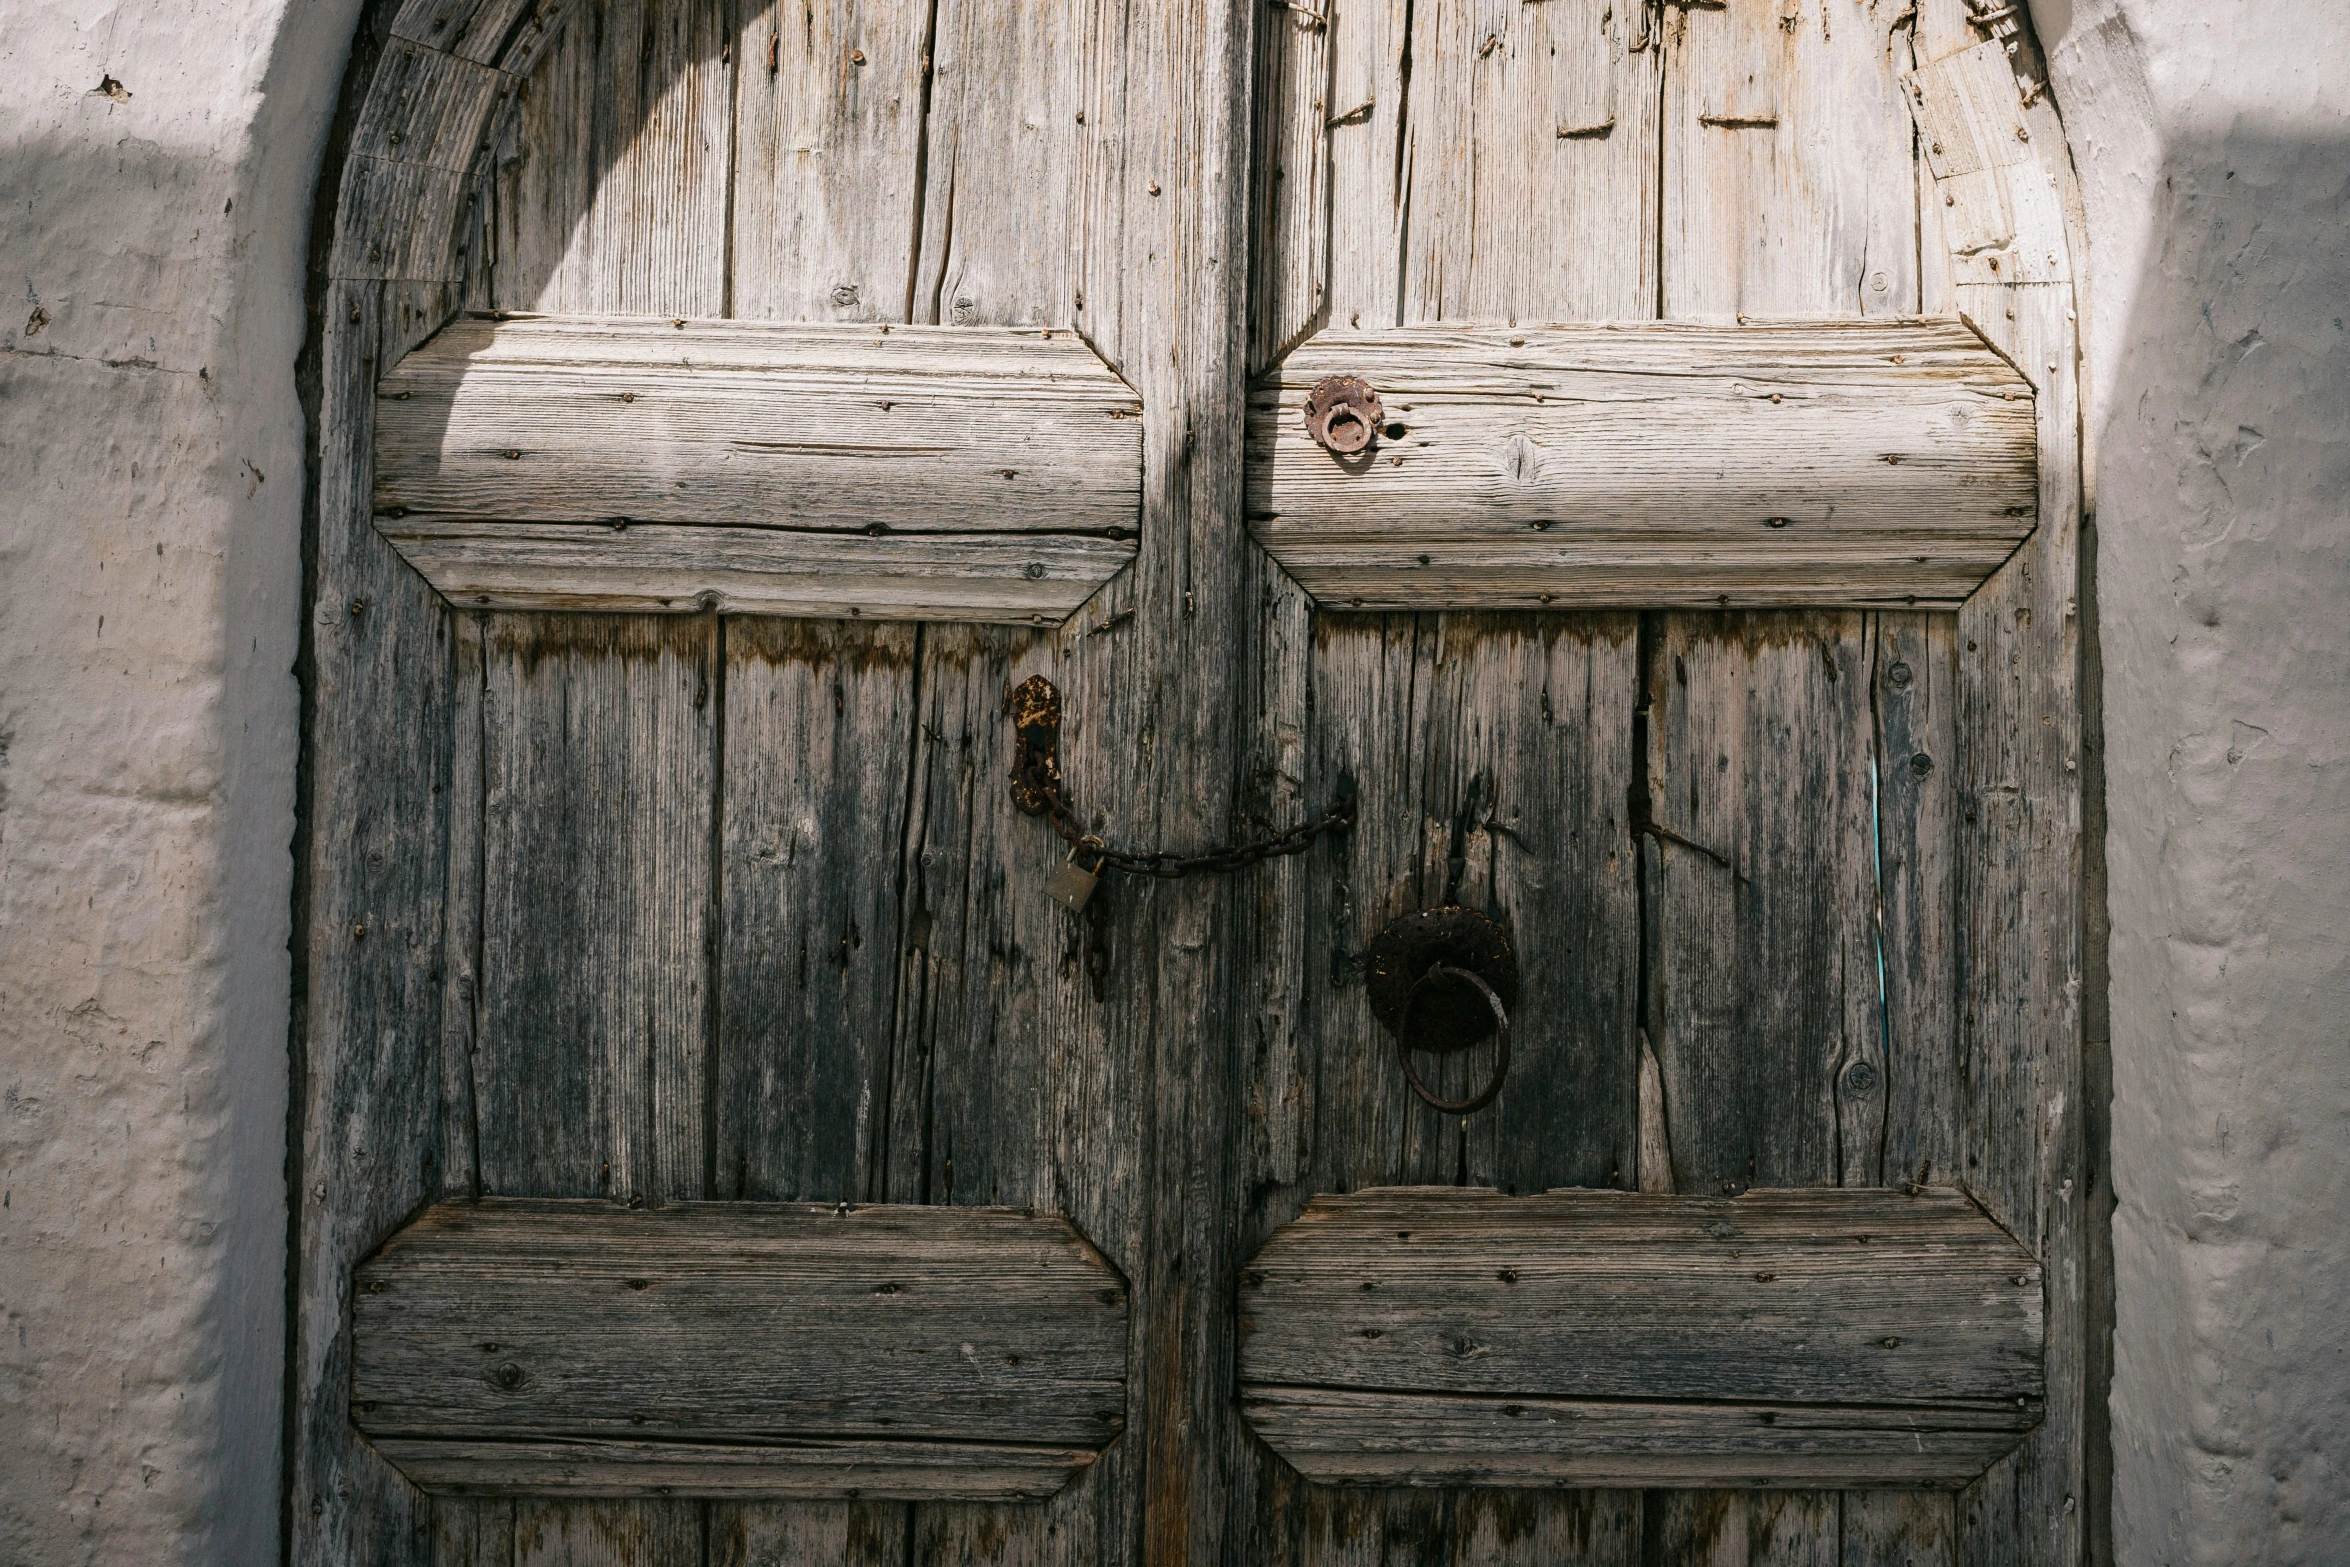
[2212,138]
[152,245]
[152,239]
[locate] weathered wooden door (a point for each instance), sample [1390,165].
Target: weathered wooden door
[715,1147]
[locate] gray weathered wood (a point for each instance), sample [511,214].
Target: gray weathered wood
[1529,186]
[1820,463]
[1790,1338]
[374,873]
[2017,790]
[827,175]
[878,1469]
[1501,740]
[1026,578]
[615,196]
[2001,208]
[738,1349]
[818,720]
[1789,188]
[631,463]
[1289,181]
[1346,1436]
[1121,256]
[1764,889]
[1787,184]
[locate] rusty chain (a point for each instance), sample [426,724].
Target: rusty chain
[1041,785]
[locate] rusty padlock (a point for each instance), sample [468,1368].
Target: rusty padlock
[1343,414]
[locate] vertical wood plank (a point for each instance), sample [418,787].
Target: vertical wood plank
[833,1534]
[1532,157]
[596,857]
[1369,124]
[606,1534]
[1898,1528]
[1289,189]
[461,946]
[1000,165]
[374,865]
[817,725]
[1915,678]
[615,197]
[828,159]
[1766,950]
[2019,867]
[1743,1529]
[1788,184]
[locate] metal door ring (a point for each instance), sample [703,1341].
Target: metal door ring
[1403,1040]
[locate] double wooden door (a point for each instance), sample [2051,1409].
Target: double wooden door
[627,884]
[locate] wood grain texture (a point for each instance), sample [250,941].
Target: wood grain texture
[1029,579]
[628,1353]
[587,419]
[373,863]
[828,143]
[1764,891]
[2019,852]
[619,463]
[1018,124]
[1289,180]
[1356,1437]
[2001,209]
[1529,156]
[614,196]
[1574,1294]
[1787,186]
[1789,189]
[1832,462]
[1498,742]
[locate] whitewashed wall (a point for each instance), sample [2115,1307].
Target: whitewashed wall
[2213,140]
[151,253]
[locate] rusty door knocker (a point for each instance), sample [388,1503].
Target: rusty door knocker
[1343,414]
[1441,981]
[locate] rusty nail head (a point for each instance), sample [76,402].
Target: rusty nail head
[1343,414]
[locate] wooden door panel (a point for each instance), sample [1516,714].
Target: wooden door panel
[548,826]
[1762,882]
[818,718]
[1439,1335]
[569,1348]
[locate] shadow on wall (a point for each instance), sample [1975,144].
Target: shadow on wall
[2224,603]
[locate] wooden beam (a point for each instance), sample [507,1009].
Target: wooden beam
[1815,1337]
[893,472]
[1853,463]
[738,1349]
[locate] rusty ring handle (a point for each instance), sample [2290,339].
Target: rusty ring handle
[1403,1042]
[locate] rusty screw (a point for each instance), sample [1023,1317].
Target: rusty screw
[1343,414]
